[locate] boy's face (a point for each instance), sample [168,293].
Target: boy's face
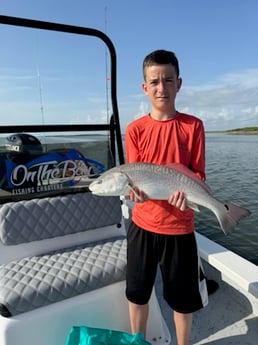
[161,86]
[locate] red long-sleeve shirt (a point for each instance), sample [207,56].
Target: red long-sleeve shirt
[178,140]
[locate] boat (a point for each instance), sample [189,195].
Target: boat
[63,250]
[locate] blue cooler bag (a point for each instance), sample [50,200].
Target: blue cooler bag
[83,335]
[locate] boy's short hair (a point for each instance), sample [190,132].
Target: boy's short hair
[161,57]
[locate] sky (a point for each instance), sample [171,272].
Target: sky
[54,78]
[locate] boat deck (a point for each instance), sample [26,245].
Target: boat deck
[228,318]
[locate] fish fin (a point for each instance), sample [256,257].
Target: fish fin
[186,171]
[193,206]
[230,215]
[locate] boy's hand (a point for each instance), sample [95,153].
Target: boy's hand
[137,195]
[178,200]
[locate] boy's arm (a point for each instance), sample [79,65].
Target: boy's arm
[197,164]
[131,146]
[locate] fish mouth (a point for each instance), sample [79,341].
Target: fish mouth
[92,186]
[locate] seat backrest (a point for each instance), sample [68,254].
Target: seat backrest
[28,227]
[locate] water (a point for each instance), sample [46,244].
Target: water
[232,174]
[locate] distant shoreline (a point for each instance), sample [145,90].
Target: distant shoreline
[238,131]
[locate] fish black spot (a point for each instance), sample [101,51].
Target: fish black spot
[226,207]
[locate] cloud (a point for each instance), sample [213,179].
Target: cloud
[144,108]
[228,102]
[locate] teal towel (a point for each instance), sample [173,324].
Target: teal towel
[82,335]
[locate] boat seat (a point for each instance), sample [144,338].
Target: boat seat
[89,250]
[37,281]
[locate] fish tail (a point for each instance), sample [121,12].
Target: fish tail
[230,215]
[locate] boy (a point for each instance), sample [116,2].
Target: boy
[162,232]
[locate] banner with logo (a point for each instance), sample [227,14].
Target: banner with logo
[58,170]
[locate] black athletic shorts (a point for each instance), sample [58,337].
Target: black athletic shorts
[184,286]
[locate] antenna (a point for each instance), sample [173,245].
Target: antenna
[106,67]
[40,98]
[40,91]
[41,106]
